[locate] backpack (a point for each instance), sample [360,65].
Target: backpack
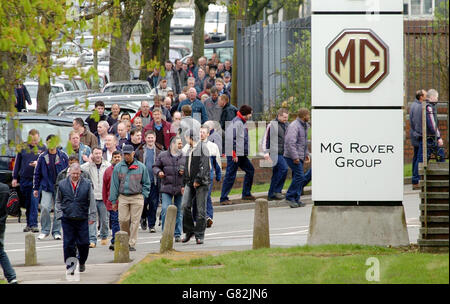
[13,205]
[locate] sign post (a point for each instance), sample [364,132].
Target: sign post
[357,123]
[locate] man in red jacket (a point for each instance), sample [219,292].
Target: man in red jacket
[113,214]
[162,130]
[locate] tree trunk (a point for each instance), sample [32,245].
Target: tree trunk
[7,80]
[155,34]
[198,40]
[44,89]
[242,5]
[119,62]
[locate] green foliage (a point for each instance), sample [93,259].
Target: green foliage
[95,116]
[295,90]
[54,142]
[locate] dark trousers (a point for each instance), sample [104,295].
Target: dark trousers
[114,221]
[151,205]
[432,149]
[230,176]
[299,180]
[31,205]
[75,235]
[279,173]
[199,194]
[415,163]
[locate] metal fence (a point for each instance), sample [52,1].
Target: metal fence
[265,57]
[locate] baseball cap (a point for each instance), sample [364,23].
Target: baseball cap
[226,74]
[127,149]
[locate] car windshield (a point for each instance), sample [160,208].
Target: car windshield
[57,89]
[183,15]
[68,85]
[81,84]
[216,16]
[130,89]
[175,54]
[223,53]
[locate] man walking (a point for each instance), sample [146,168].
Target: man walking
[96,169]
[415,133]
[296,154]
[198,109]
[274,149]
[147,154]
[237,150]
[196,180]
[161,128]
[169,167]
[215,167]
[130,184]
[113,213]
[144,113]
[80,150]
[434,141]
[213,109]
[86,136]
[26,161]
[8,270]
[98,115]
[49,164]
[75,207]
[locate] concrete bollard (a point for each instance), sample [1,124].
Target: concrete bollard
[30,249]
[261,236]
[169,229]
[121,247]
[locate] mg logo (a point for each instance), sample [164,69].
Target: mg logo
[357,60]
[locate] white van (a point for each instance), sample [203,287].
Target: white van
[182,21]
[216,20]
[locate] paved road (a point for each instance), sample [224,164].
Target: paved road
[232,230]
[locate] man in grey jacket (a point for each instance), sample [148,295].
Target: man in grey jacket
[296,154]
[96,169]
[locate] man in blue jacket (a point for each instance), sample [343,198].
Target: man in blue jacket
[76,208]
[25,163]
[198,109]
[296,154]
[49,164]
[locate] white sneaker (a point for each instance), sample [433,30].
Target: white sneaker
[42,236]
[57,236]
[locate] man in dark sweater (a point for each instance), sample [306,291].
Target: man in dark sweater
[8,270]
[76,208]
[26,161]
[93,119]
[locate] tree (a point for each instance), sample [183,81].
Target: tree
[198,37]
[155,34]
[128,14]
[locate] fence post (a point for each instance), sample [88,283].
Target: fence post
[121,247]
[261,236]
[169,229]
[30,250]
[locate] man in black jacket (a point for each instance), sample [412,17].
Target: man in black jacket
[8,270]
[196,179]
[76,207]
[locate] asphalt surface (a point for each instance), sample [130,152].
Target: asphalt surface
[232,231]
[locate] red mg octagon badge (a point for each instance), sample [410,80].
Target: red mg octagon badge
[357,60]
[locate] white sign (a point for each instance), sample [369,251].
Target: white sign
[357,155]
[357,61]
[356,6]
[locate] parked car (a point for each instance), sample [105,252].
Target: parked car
[84,111]
[15,131]
[128,87]
[85,99]
[60,101]
[69,55]
[182,21]
[86,46]
[223,49]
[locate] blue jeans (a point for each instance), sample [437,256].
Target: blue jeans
[166,202]
[102,217]
[151,206]
[115,226]
[230,176]
[299,180]
[8,270]
[76,236]
[415,163]
[47,204]
[279,173]
[31,204]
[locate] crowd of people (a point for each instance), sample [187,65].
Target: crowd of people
[117,169]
